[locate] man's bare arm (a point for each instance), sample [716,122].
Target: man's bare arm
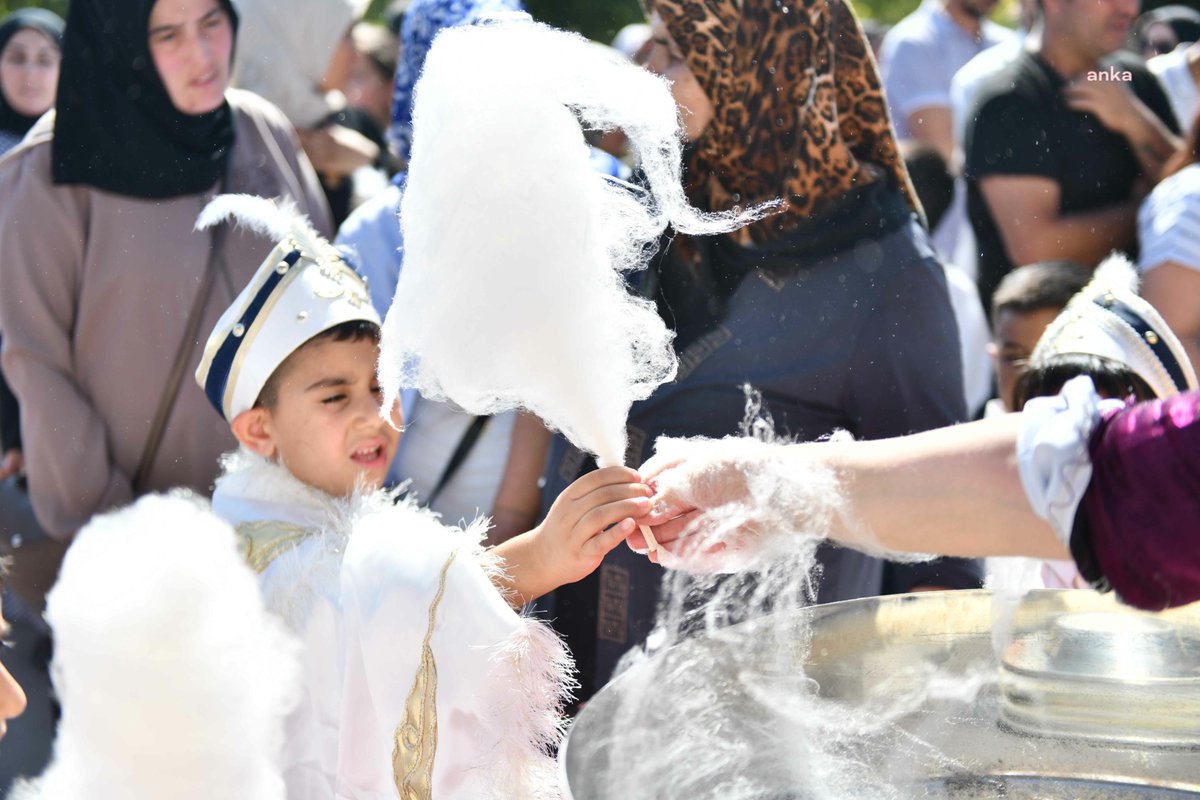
[1026,211]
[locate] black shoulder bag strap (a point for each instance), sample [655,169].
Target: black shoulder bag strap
[469,437]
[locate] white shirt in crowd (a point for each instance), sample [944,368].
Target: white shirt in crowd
[921,54]
[1173,73]
[1169,222]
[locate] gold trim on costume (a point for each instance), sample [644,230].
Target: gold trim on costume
[263,541]
[416,735]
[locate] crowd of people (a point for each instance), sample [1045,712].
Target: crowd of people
[970,217]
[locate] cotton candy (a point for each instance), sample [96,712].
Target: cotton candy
[513,291]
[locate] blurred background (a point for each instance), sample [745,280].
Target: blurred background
[601,19]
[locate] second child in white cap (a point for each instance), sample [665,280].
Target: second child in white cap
[420,678]
[1110,334]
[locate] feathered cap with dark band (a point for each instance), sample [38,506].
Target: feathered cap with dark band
[302,289]
[1107,318]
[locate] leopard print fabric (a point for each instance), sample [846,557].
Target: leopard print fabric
[799,111]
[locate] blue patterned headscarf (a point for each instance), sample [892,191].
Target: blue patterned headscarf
[423,20]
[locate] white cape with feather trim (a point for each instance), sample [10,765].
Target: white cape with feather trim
[358,590]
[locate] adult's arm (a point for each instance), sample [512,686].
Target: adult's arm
[336,151]
[1120,485]
[1174,290]
[1169,256]
[918,89]
[906,376]
[934,126]
[1026,211]
[955,491]
[1014,160]
[1121,111]
[71,470]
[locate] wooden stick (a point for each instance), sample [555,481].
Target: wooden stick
[650,541]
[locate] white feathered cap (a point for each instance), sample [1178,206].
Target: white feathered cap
[1107,318]
[303,288]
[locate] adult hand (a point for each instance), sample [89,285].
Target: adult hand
[12,464]
[731,504]
[336,151]
[1111,102]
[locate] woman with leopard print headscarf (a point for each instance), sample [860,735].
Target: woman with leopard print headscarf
[834,309]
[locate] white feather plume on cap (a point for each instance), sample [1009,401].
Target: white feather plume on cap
[303,288]
[1108,318]
[174,679]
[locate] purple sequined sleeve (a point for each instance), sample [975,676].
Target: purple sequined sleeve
[1141,524]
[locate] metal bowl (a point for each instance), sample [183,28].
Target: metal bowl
[1089,699]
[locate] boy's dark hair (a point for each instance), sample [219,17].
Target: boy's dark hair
[1111,378]
[352,331]
[931,178]
[1045,284]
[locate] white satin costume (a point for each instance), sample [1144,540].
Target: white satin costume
[419,680]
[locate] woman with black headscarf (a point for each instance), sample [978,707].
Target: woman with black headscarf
[30,52]
[106,285]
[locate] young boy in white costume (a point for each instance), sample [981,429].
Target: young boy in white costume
[420,680]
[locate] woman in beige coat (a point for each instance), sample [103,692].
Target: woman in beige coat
[100,268]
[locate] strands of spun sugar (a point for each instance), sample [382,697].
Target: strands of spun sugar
[512,293]
[714,715]
[174,679]
[1010,579]
[726,710]
[760,501]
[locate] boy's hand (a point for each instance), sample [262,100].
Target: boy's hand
[591,517]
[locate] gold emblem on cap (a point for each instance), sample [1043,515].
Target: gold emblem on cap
[1151,337]
[239,330]
[340,281]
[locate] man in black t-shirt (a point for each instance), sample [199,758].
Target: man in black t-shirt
[1063,142]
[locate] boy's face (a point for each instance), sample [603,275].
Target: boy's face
[325,425]
[1017,333]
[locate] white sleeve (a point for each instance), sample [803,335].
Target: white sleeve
[1052,451]
[1169,222]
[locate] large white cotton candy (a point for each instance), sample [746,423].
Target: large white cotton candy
[174,679]
[512,293]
